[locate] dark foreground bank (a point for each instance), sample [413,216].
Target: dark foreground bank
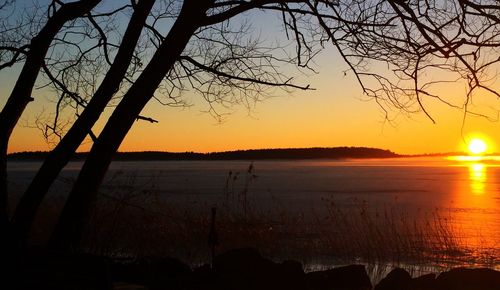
[243,269]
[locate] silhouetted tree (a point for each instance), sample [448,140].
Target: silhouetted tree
[249,76]
[34,53]
[61,154]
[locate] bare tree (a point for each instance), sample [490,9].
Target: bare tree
[61,154]
[5,3]
[59,14]
[420,48]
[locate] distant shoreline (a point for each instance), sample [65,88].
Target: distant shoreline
[253,154]
[331,153]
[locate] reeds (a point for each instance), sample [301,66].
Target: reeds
[133,220]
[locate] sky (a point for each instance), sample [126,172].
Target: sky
[334,114]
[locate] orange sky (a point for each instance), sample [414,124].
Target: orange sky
[335,114]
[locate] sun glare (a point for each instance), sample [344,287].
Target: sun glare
[477,146]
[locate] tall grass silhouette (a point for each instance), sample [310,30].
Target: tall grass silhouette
[133,220]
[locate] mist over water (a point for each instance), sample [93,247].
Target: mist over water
[465,194]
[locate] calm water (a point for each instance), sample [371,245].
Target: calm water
[465,193]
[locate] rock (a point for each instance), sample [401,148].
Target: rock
[168,273]
[246,269]
[242,269]
[203,278]
[290,275]
[352,277]
[164,273]
[397,279]
[469,279]
[133,272]
[425,282]
[53,270]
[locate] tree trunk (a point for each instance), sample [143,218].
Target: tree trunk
[69,230]
[28,205]
[21,93]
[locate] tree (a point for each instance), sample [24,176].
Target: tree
[192,17]
[61,154]
[206,51]
[20,96]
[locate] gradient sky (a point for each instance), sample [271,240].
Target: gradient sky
[335,114]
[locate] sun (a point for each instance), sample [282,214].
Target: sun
[477,146]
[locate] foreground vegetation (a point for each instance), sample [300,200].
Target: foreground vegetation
[132,220]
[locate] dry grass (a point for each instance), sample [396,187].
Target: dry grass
[132,220]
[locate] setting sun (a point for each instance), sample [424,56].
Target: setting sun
[477,146]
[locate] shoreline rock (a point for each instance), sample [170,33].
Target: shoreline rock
[239,269]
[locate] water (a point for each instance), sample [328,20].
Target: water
[465,194]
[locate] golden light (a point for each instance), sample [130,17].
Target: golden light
[477,146]
[477,173]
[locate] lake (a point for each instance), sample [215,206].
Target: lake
[461,195]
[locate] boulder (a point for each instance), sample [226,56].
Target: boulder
[163,273]
[289,275]
[397,279]
[469,279]
[353,277]
[246,269]
[132,271]
[203,278]
[54,270]
[168,273]
[424,282]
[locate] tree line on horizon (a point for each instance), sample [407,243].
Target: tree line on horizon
[101,55]
[250,154]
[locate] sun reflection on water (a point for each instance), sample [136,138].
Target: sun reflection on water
[477,210]
[477,177]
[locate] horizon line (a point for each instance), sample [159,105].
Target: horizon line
[450,153]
